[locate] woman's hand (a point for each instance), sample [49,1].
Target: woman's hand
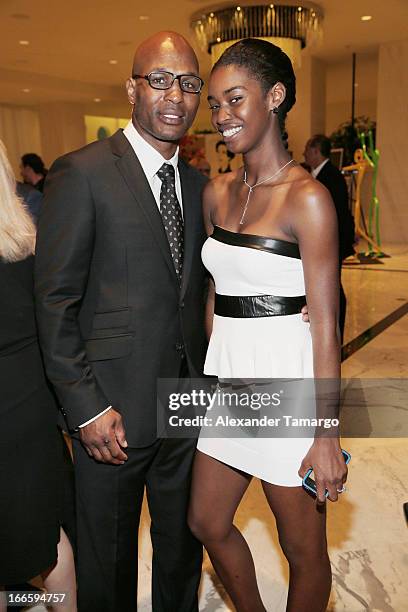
[330,470]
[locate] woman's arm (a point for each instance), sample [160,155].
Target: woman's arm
[315,226]
[317,235]
[208,203]
[209,308]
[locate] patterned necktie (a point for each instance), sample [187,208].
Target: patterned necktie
[171,215]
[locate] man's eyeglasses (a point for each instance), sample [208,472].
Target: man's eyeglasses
[162,79]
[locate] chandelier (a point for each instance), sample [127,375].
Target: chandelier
[290,26]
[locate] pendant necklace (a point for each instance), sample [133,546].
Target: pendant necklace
[252,187]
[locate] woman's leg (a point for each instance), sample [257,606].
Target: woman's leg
[302,534]
[61,577]
[216,492]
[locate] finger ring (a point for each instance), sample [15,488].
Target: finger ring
[342,489]
[106,442]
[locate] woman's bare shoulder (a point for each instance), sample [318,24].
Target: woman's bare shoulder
[218,187]
[306,192]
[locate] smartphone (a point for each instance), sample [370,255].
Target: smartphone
[308,482]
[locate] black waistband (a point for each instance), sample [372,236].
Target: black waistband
[245,307]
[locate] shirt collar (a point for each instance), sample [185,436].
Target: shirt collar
[150,159]
[316,171]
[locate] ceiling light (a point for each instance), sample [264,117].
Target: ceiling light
[97,99]
[25,90]
[113,62]
[144,17]
[293,27]
[366,18]
[24,42]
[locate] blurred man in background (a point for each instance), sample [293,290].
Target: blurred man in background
[33,171]
[317,156]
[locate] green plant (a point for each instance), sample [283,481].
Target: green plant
[346,137]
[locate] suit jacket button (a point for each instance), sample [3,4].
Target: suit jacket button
[182,304]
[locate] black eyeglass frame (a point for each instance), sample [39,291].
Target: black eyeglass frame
[174,77]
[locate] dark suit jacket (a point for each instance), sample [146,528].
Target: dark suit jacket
[112,317]
[334,181]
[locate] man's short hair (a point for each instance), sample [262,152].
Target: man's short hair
[321,142]
[34,161]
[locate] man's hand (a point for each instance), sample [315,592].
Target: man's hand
[104,437]
[305,314]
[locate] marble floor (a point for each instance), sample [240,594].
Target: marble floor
[367,532]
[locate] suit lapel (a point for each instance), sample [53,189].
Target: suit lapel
[190,221]
[324,172]
[132,173]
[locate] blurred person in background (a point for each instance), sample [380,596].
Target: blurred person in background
[317,157]
[32,542]
[32,198]
[33,171]
[224,157]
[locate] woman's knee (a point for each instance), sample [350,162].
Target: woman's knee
[206,528]
[300,553]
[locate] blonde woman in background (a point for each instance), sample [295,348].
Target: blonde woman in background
[32,542]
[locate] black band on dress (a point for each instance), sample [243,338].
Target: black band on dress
[245,307]
[252,241]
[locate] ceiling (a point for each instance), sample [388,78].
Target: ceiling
[70,45]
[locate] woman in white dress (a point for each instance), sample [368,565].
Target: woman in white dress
[272,244]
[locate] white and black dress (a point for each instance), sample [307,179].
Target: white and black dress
[258,333]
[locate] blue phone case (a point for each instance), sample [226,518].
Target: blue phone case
[310,485]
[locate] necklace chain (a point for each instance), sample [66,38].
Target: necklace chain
[252,187]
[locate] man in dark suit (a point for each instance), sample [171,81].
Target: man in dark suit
[120,304]
[317,157]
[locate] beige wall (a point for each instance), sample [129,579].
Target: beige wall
[20,132]
[308,115]
[62,125]
[62,129]
[338,90]
[50,129]
[392,141]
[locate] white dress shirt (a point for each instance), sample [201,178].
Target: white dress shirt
[316,171]
[151,161]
